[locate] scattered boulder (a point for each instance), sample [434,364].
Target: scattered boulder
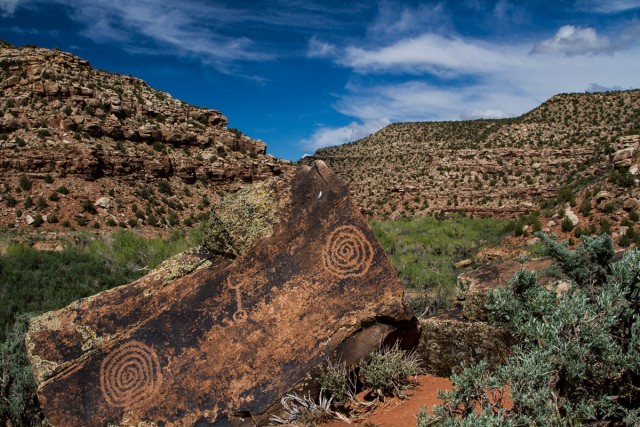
[569,214]
[30,220]
[103,202]
[624,157]
[603,195]
[217,338]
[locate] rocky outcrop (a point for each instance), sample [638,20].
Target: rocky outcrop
[448,340]
[63,120]
[218,335]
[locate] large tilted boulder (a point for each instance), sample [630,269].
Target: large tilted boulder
[217,335]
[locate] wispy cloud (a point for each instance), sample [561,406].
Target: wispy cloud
[217,34]
[327,136]
[572,41]
[319,49]
[430,53]
[397,19]
[8,7]
[449,78]
[608,6]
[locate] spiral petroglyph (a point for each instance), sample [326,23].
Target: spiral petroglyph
[130,375]
[347,252]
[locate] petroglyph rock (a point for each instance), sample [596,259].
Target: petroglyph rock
[217,339]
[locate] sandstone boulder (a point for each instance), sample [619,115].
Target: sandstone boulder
[448,339]
[571,216]
[217,335]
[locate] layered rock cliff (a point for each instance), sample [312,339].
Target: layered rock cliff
[70,133]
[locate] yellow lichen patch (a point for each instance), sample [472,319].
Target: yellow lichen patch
[91,340]
[178,266]
[42,369]
[240,218]
[47,321]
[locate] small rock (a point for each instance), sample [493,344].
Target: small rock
[464,263]
[30,220]
[103,202]
[603,195]
[568,213]
[630,203]
[551,224]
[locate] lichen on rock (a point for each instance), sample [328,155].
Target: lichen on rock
[240,218]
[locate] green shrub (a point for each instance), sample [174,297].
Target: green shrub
[337,381]
[28,202]
[566,225]
[10,202]
[577,357]
[389,369]
[87,206]
[164,187]
[62,190]
[585,207]
[18,401]
[24,183]
[43,133]
[37,221]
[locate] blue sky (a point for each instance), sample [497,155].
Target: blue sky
[303,74]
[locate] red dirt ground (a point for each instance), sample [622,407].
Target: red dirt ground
[402,413]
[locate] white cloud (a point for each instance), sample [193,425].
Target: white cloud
[8,7]
[572,41]
[329,136]
[429,53]
[319,49]
[608,6]
[473,80]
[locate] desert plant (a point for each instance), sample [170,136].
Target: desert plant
[303,410]
[338,381]
[566,225]
[24,183]
[389,369]
[18,402]
[577,358]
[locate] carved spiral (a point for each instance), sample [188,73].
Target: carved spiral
[130,375]
[347,252]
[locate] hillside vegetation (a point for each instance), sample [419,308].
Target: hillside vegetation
[496,167]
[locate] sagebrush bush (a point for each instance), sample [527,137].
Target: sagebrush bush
[337,381]
[18,402]
[577,360]
[389,370]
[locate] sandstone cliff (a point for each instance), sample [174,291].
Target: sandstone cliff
[82,147]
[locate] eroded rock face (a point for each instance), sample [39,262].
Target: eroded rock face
[207,339]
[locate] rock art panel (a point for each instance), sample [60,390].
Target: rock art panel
[217,339]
